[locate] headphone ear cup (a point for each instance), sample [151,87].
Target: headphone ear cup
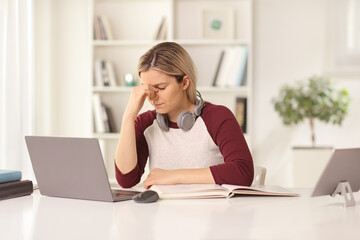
[186,120]
[162,121]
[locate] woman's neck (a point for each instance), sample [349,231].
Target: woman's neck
[186,107]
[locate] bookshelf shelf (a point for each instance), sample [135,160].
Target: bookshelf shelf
[133,36]
[121,89]
[204,42]
[118,89]
[123,43]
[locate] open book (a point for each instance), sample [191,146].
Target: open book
[217,191]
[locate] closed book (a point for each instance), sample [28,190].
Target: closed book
[241,112]
[105,116]
[101,28]
[111,73]
[15,189]
[105,74]
[99,82]
[225,68]
[98,115]
[9,175]
[218,68]
[238,66]
[162,30]
[108,119]
[97,34]
[107,28]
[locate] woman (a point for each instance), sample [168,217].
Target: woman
[185,139]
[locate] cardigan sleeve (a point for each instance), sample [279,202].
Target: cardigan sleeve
[238,168]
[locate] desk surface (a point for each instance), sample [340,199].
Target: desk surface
[41,217]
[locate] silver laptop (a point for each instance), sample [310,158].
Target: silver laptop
[344,165]
[72,168]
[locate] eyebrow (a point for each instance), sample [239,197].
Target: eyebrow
[158,84]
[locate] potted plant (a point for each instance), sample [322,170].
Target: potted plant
[313,98]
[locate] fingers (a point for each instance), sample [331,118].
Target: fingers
[151,179]
[160,176]
[150,91]
[137,98]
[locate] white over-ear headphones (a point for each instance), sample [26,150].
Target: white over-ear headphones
[186,119]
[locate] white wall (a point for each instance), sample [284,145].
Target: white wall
[290,44]
[62,58]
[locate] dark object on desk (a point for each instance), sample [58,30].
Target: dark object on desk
[148,196]
[72,168]
[341,174]
[15,189]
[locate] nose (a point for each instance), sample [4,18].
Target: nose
[156,95]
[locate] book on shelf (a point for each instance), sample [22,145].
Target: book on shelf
[161,32]
[103,119]
[241,112]
[190,191]
[218,67]
[9,175]
[107,118]
[102,28]
[15,189]
[99,124]
[110,68]
[97,33]
[104,73]
[231,69]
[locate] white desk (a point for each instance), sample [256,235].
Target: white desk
[41,217]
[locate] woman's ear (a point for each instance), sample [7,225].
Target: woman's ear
[185,82]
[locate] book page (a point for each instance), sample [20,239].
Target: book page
[190,191]
[260,190]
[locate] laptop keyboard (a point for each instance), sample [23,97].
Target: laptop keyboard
[123,194]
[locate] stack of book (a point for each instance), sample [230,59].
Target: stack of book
[12,186]
[102,29]
[231,68]
[104,73]
[103,120]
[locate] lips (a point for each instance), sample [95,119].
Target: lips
[158,105]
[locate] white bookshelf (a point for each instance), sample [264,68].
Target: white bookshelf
[134,24]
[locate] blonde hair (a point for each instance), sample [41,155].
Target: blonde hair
[172,59]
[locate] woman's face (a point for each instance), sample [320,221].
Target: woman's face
[170,97]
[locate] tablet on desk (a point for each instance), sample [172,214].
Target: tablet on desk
[343,166]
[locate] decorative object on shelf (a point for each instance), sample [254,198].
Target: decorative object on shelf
[314,98]
[130,80]
[218,23]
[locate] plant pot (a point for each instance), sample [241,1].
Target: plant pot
[308,163]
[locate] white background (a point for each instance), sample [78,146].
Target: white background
[290,43]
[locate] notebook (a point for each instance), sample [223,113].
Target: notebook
[72,168]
